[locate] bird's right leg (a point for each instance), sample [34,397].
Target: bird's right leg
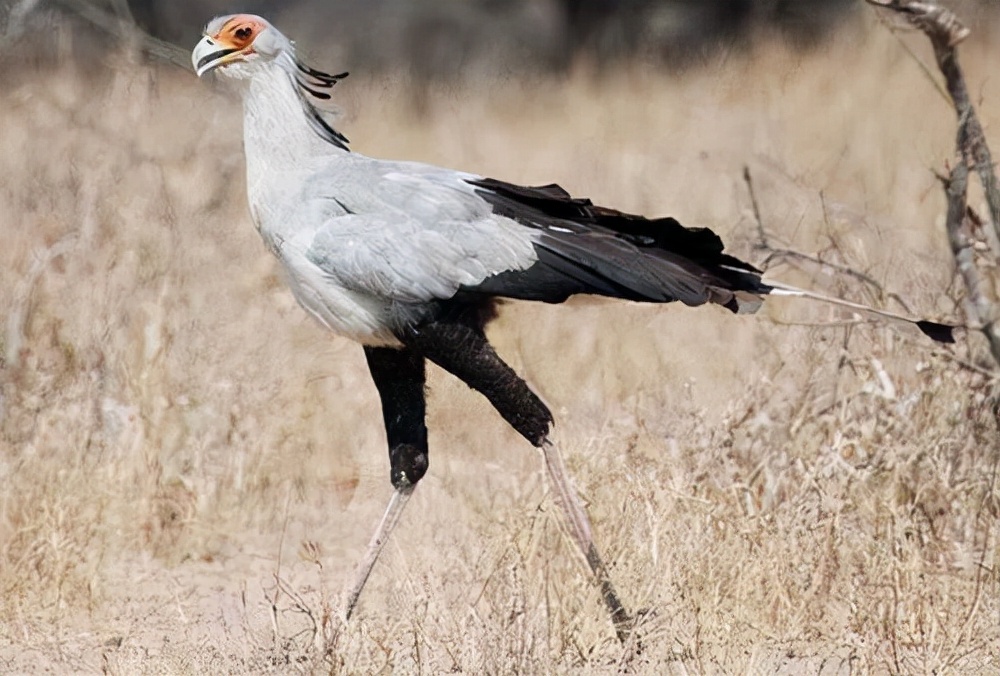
[462,349]
[399,377]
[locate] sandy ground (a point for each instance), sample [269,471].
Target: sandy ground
[191,467]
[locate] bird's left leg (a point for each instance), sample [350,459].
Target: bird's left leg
[462,349]
[399,377]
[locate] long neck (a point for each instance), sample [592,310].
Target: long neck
[277,134]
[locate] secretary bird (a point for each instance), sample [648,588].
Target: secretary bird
[410,259]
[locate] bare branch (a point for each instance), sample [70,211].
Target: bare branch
[945,32]
[962,242]
[921,64]
[122,25]
[836,267]
[773,253]
[939,23]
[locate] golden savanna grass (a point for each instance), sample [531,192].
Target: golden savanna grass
[191,467]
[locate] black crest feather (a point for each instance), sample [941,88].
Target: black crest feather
[309,83]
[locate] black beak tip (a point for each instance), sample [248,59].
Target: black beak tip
[214,56]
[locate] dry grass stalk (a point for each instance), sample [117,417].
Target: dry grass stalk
[782,499]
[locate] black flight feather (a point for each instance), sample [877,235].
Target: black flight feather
[583,248]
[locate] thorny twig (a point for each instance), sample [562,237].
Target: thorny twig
[945,31]
[764,244]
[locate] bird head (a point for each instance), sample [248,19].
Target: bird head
[238,43]
[241,46]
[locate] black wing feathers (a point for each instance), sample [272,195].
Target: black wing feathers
[583,248]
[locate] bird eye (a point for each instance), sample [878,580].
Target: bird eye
[243,33]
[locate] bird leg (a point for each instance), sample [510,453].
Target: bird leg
[393,511]
[399,377]
[461,348]
[579,529]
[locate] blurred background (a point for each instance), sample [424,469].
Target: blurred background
[447,38]
[190,466]
[456,38]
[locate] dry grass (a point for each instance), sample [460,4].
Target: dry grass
[191,467]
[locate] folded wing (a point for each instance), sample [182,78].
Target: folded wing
[420,234]
[583,248]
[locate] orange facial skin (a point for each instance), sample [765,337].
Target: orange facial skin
[239,32]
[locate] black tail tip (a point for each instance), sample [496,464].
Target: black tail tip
[942,333]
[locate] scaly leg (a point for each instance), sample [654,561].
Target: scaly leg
[393,511]
[579,529]
[399,377]
[461,348]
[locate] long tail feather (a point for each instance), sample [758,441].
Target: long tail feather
[942,333]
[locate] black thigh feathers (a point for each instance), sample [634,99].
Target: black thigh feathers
[399,378]
[582,249]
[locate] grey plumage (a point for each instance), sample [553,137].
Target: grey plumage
[372,246]
[407,259]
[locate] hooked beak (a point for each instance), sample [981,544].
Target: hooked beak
[209,55]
